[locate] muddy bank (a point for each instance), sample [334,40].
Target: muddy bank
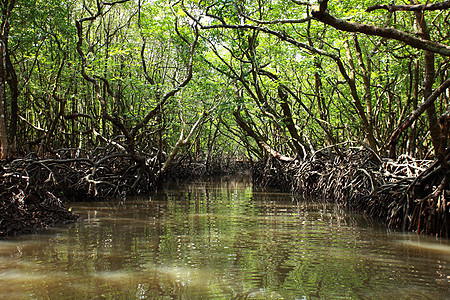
[28,209]
[406,194]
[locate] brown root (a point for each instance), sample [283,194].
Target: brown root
[405,193]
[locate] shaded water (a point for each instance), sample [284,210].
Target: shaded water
[222,240]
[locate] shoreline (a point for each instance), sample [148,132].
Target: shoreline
[402,194]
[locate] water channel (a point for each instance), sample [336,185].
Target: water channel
[221,239]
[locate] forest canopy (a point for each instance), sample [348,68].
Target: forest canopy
[238,78]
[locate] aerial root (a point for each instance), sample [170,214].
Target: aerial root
[406,193]
[33,189]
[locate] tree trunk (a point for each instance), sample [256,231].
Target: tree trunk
[3,135]
[259,140]
[14,90]
[411,146]
[357,102]
[428,81]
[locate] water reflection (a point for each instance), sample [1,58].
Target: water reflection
[219,239]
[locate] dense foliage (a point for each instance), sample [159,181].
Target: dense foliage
[222,78]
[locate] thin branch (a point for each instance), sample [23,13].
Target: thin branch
[307,3]
[114,2]
[417,113]
[281,21]
[171,93]
[259,140]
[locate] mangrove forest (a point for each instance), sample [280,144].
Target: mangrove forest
[343,102]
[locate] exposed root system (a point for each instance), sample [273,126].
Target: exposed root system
[407,194]
[274,174]
[187,168]
[24,210]
[77,175]
[32,190]
[416,198]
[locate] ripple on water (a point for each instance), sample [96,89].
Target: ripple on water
[436,247]
[222,242]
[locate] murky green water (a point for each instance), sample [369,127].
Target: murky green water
[221,240]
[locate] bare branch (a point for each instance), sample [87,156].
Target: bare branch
[282,21]
[419,7]
[115,144]
[172,92]
[114,2]
[307,3]
[259,140]
[321,14]
[183,141]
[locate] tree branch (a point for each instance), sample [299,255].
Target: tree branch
[281,21]
[419,7]
[417,113]
[172,92]
[321,14]
[259,140]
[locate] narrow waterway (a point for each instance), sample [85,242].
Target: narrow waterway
[221,239]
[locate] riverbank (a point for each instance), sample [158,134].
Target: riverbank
[26,209]
[33,191]
[406,194]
